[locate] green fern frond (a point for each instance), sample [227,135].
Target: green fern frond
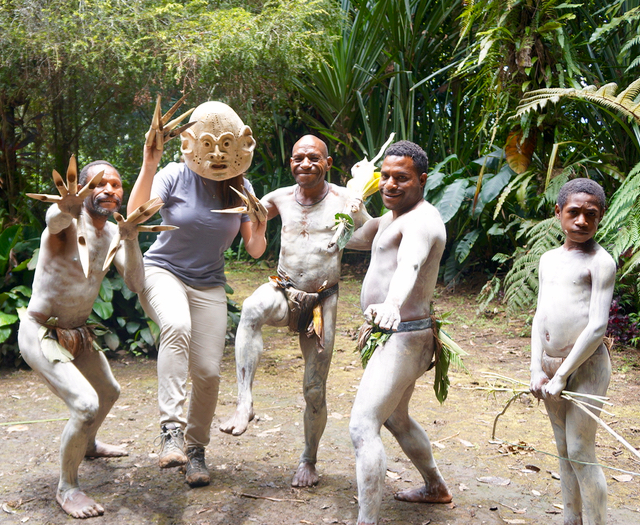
[630,43]
[620,243]
[630,16]
[543,236]
[621,204]
[521,282]
[605,96]
[507,191]
[631,265]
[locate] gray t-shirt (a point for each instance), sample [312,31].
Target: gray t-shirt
[195,252]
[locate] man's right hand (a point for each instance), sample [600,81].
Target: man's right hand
[70,199]
[538,382]
[384,315]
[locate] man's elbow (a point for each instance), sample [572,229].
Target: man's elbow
[598,330]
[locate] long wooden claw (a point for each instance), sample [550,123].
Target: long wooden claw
[161,130]
[60,184]
[115,243]
[91,185]
[253,207]
[156,126]
[177,131]
[157,228]
[44,198]
[83,249]
[168,127]
[244,198]
[237,209]
[145,210]
[72,175]
[174,108]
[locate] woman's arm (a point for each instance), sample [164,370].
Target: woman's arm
[141,191]
[253,235]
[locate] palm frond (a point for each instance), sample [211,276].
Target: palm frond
[624,103]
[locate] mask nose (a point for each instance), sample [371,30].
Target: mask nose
[218,154]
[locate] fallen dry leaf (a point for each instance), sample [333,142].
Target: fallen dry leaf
[270,431]
[623,477]
[17,428]
[494,480]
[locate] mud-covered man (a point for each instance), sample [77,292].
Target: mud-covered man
[54,337]
[406,247]
[567,349]
[308,275]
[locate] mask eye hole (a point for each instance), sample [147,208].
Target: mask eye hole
[206,144]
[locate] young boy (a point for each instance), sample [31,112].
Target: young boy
[567,352]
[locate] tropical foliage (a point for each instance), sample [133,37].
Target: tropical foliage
[498,93]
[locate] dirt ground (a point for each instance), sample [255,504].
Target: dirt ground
[509,479]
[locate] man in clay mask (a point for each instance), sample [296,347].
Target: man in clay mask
[184,273]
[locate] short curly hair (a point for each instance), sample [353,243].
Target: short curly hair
[84,174]
[582,186]
[405,148]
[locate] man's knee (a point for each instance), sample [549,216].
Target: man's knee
[112,393]
[252,315]
[315,393]
[397,425]
[361,430]
[580,450]
[85,408]
[258,309]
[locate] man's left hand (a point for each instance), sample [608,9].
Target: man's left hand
[555,387]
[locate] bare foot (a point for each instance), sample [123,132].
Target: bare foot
[78,505]
[103,450]
[238,423]
[305,476]
[436,494]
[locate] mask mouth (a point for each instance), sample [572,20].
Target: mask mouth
[217,166]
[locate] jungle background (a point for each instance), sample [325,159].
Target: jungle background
[509,99]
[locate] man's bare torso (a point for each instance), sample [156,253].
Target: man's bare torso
[60,288]
[425,233]
[305,235]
